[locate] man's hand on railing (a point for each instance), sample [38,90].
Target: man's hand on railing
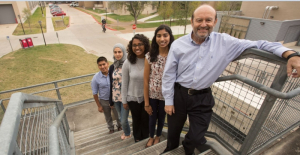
[293,63]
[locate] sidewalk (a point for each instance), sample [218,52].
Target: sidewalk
[49,24]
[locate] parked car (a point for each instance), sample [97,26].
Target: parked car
[74,4]
[55,10]
[54,6]
[59,13]
[50,5]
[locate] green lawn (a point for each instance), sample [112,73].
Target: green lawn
[96,10]
[40,64]
[151,25]
[98,18]
[157,18]
[35,26]
[126,18]
[66,22]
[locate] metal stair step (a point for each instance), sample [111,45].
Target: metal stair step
[119,144]
[85,131]
[95,139]
[133,148]
[94,133]
[86,142]
[179,151]
[153,150]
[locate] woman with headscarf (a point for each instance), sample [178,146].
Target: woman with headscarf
[115,98]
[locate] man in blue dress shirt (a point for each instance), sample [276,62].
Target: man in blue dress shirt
[194,63]
[101,84]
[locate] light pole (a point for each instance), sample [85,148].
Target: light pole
[40,22]
[21,23]
[41,9]
[106,14]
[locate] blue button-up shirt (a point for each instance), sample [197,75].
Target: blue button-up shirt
[101,84]
[198,66]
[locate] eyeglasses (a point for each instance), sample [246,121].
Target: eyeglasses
[138,45]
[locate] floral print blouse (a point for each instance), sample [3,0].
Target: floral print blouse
[117,83]
[155,78]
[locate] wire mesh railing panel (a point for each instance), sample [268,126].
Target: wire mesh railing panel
[33,130]
[237,103]
[284,114]
[254,69]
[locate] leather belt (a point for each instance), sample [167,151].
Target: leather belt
[193,91]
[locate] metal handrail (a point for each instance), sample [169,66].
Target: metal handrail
[53,134]
[10,124]
[261,87]
[42,84]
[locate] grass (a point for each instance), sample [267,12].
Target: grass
[151,25]
[40,64]
[98,18]
[156,18]
[66,23]
[96,10]
[35,26]
[178,36]
[118,28]
[126,18]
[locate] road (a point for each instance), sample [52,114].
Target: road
[84,31]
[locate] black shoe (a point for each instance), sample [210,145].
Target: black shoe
[120,128]
[111,131]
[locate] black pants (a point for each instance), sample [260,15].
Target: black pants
[140,121]
[159,114]
[199,109]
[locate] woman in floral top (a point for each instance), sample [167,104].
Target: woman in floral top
[115,98]
[154,68]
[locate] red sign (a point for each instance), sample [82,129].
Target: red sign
[134,26]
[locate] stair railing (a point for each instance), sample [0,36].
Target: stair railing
[25,125]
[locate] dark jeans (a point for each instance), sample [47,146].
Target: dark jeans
[199,109]
[158,108]
[140,120]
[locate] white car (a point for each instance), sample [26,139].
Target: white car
[74,4]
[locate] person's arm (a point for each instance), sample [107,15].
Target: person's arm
[125,83]
[110,71]
[148,108]
[168,81]
[95,90]
[100,109]
[236,46]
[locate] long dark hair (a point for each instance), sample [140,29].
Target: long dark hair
[131,55]
[154,46]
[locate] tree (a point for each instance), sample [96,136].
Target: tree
[27,16]
[229,8]
[165,9]
[135,8]
[184,11]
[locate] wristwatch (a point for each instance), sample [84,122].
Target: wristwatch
[294,54]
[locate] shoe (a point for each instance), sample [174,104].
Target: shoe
[111,131]
[148,142]
[155,139]
[120,128]
[123,136]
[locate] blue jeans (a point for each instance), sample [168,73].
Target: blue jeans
[123,116]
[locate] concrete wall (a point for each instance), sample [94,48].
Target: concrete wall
[18,7]
[269,31]
[289,31]
[288,10]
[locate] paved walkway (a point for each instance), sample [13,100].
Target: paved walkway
[146,18]
[49,25]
